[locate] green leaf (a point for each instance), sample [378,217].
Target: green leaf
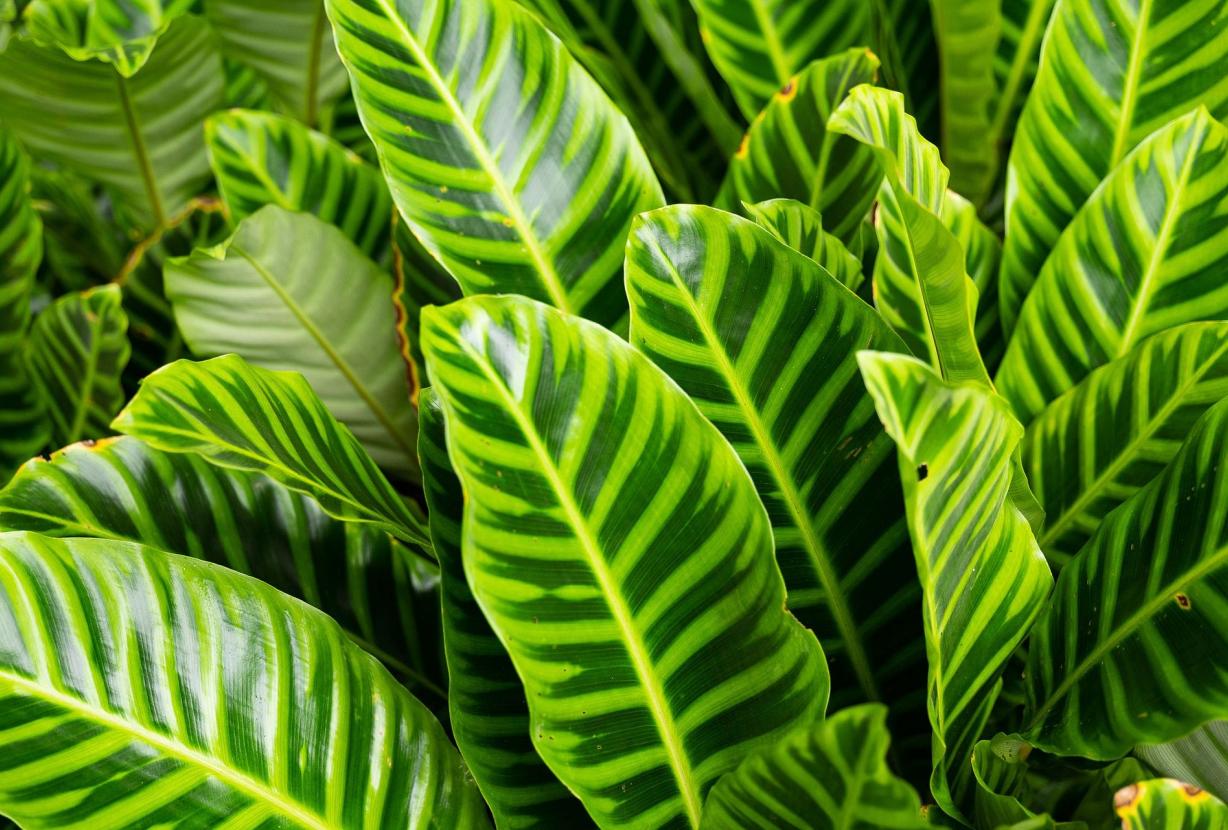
[264,159]
[288,43]
[130,679]
[759,45]
[746,348]
[245,88]
[830,775]
[486,702]
[120,32]
[1201,757]
[515,191]
[288,291]
[1131,647]
[1023,27]
[790,153]
[420,281]
[902,35]
[1165,804]
[1147,252]
[982,256]
[1106,82]
[801,228]
[967,33]
[139,137]
[243,417]
[983,578]
[565,439]
[1095,446]
[76,353]
[81,247]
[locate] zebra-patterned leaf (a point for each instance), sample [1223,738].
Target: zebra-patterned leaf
[801,228]
[90,119]
[1095,446]
[245,88]
[982,256]
[263,159]
[81,247]
[1107,79]
[653,660]
[1023,27]
[76,354]
[764,342]
[759,45]
[789,152]
[902,35]
[1201,758]
[145,689]
[504,157]
[244,417]
[983,578]
[831,776]
[289,44]
[1147,252]
[489,713]
[1131,648]
[120,32]
[1165,804]
[288,291]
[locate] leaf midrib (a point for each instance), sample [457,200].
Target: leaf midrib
[1129,100]
[141,152]
[772,42]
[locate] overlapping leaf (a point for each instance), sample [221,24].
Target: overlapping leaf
[505,158]
[982,256]
[615,542]
[1165,804]
[120,33]
[902,35]
[81,247]
[801,228]
[1200,757]
[420,281]
[140,688]
[1023,27]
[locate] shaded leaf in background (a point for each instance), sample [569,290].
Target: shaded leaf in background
[1023,27]
[420,281]
[1200,757]
[245,87]
[81,247]
[902,36]
[801,228]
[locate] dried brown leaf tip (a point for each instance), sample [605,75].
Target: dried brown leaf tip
[1126,800]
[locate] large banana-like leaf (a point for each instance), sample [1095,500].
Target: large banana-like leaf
[505,158]
[759,45]
[1148,251]
[244,417]
[1201,758]
[486,702]
[120,32]
[1105,83]
[801,228]
[122,489]
[76,354]
[616,545]
[140,137]
[288,291]
[1131,647]
[263,159]
[789,152]
[830,776]
[23,432]
[1165,804]
[143,689]
[764,341]
[1023,27]
[289,44]
[1095,446]
[983,578]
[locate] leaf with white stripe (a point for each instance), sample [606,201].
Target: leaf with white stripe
[801,228]
[618,549]
[144,689]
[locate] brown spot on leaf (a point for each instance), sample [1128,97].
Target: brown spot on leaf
[744,147]
[1183,602]
[789,91]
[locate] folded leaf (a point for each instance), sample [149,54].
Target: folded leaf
[140,688]
[801,228]
[1162,803]
[1147,252]
[982,257]
[118,32]
[243,417]
[1201,758]
[504,157]
[1106,81]
[653,659]
[1023,27]
[1131,647]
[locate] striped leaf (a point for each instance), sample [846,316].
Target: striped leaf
[983,578]
[967,32]
[120,32]
[1165,804]
[514,192]
[1117,661]
[764,342]
[1098,444]
[289,45]
[616,545]
[23,431]
[142,689]
[982,257]
[243,417]
[139,137]
[801,228]
[1023,26]
[1201,758]
[831,776]
[486,701]
[789,152]
[263,159]
[1106,82]
[1147,252]
[76,353]
[288,291]
[81,247]
[420,281]
[902,35]
[759,45]
[245,89]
